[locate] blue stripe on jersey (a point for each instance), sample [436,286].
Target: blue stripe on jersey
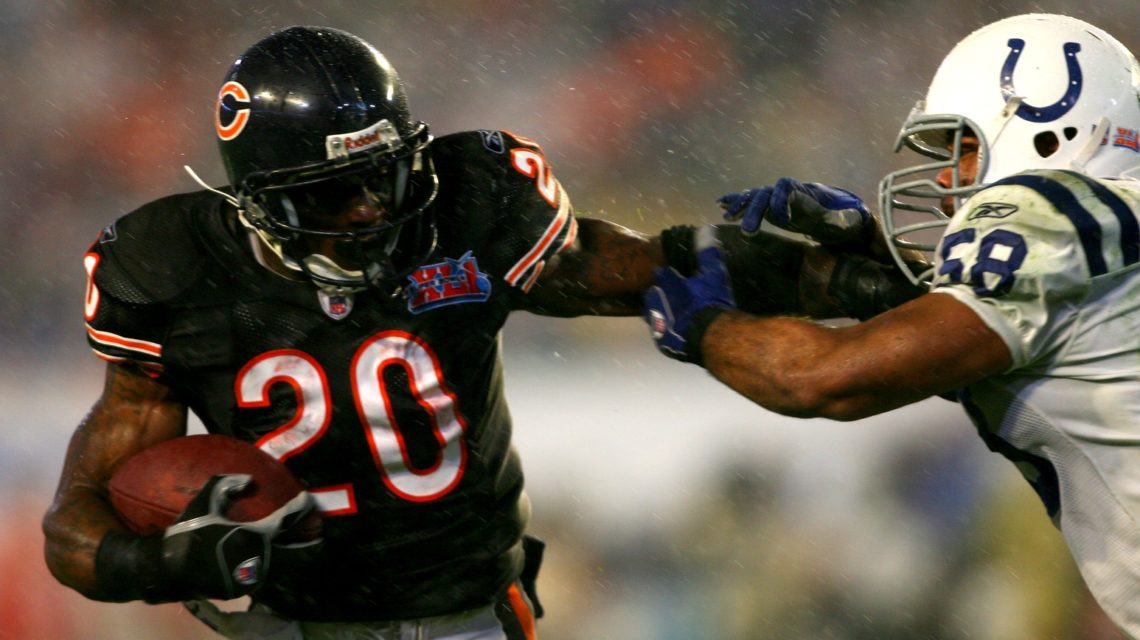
[1047,483]
[1088,229]
[1129,228]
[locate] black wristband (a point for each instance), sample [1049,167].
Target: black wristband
[765,270]
[698,326]
[130,567]
[865,288]
[677,244]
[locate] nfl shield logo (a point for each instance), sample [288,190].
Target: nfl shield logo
[246,572]
[336,306]
[657,324]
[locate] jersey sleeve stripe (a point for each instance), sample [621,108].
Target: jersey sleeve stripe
[1129,227]
[537,252]
[143,347]
[1062,199]
[571,235]
[146,366]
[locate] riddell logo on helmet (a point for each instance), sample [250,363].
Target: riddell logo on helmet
[363,141]
[381,133]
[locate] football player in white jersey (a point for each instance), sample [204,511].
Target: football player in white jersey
[1032,321]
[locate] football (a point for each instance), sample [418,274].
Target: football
[153,487]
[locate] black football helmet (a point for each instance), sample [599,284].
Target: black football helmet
[309,118]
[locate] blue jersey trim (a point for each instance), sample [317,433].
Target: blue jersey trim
[1047,484]
[1088,229]
[1129,228]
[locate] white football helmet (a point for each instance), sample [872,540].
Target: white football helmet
[1039,91]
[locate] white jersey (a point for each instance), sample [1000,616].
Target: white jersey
[1049,260]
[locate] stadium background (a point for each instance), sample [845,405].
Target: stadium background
[673,508]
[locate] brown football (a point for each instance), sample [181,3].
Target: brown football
[153,487]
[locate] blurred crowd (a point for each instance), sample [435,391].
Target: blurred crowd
[648,110]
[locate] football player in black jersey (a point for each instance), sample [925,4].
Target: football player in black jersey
[339,305]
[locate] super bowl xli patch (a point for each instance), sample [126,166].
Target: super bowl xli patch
[445,283]
[1127,138]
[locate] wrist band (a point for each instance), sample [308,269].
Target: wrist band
[677,245]
[129,567]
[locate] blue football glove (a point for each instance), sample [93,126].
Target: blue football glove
[679,309]
[828,215]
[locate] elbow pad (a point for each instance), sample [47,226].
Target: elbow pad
[865,288]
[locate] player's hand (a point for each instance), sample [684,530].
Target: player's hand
[679,309]
[828,215]
[211,556]
[244,625]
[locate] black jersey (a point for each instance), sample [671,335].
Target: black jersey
[388,407]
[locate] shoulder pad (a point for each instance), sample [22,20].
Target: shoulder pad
[152,254]
[1101,215]
[491,142]
[498,195]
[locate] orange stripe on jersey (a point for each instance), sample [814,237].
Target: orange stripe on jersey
[522,612]
[571,236]
[141,346]
[534,276]
[537,251]
[523,140]
[150,368]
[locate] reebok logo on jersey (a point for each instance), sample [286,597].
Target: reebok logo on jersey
[992,210]
[108,234]
[445,283]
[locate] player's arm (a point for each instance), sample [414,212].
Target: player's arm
[603,272]
[931,345]
[134,411]
[202,555]
[608,267]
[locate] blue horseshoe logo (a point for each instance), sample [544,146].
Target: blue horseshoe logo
[1059,108]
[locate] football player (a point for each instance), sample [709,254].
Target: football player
[339,304]
[1030,127]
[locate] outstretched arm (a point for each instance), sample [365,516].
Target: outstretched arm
[931,345]
[133,413]
[603,273]
[608,268]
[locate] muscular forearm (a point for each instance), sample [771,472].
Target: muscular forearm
[73,529]
[800,368]
[926,347]
[133,413]
[604,274]
[767,360]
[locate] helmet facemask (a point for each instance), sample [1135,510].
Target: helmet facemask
[911,199]
[294,211]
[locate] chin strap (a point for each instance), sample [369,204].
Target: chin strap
[1100,130]
[229,198]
